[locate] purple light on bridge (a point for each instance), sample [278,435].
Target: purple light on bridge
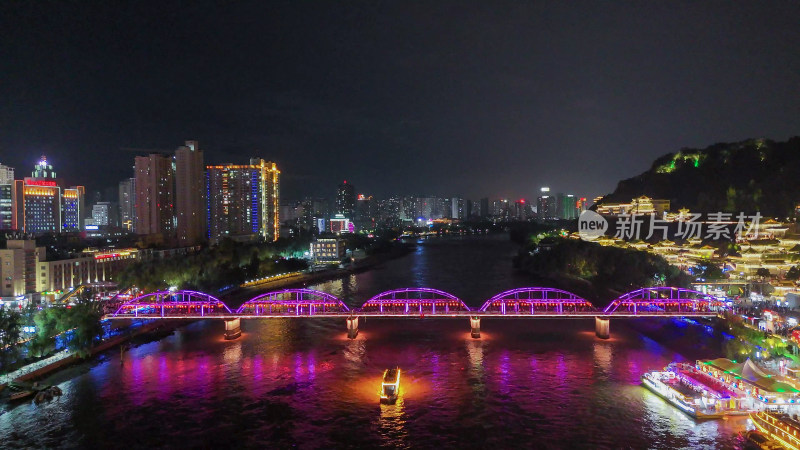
[536,299]
[529,301]
[664,299]
[198,302]
[415,300]
[277,302]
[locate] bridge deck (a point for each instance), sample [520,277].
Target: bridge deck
[417,315]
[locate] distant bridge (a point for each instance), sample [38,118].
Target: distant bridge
[531,303]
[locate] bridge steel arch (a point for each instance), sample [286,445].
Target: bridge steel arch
[292,302]
[664,300]
[533,300]
[172,304]
[415,300]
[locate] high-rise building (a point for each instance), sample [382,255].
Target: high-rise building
[104,214]
[546,205]
[127,204]
[18,271]
[582,205]
[522,210]
[314,211]
[190,194]
[427,208]
[567,206]
[293,213]
[37,208]
[6,206]
[346,200]
[366,216]
[42,205]
[457,210]
[389,211]
[154,195]
[6,197]
[243,200]
[484,209]
[500,209]
[6,174]
[72,208]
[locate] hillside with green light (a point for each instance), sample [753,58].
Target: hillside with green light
[749,176]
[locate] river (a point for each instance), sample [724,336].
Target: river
[302,383]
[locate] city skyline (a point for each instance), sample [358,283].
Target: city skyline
[327,191]
[331,191]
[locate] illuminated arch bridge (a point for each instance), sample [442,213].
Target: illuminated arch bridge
[420,302]
[531,302]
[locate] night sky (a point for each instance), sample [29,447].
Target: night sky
[444,98]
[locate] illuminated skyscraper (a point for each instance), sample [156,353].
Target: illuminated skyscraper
[41,205]
[566,206]
[365,213]
[37,208]
[243,200]
[346,200]
[154,194]
[6,197]
[189,190]
[72,203]
[546,205]
[127,204]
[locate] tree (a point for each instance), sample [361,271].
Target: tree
[762,272]
[711,272]
[10,332]
[793,273]
[84,321]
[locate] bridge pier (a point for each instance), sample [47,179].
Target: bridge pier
[233,328]
[602,327]
[352,327]
[475,324]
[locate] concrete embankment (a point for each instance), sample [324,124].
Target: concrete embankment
[72,358]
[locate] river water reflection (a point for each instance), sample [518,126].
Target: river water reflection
[288,382]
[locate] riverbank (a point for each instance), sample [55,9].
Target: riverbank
[65,358]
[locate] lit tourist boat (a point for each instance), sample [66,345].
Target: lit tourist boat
[778,427]
[390,387]
[757,439]
[676,390]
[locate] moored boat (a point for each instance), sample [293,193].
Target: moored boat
[778,427]
[21,395]
[758,440]
[668,386]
